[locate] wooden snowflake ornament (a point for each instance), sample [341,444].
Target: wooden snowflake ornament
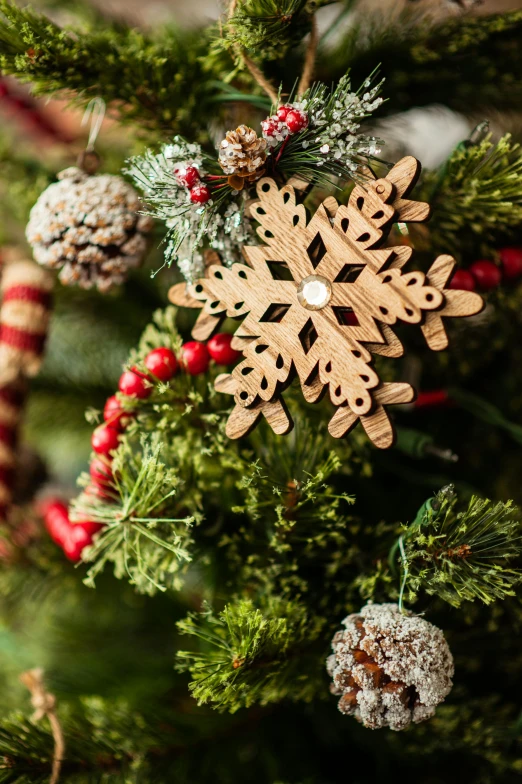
[342,293]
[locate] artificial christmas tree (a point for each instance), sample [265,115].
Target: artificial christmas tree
[183,595]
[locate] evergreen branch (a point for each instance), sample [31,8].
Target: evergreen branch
[269,27]
[420,59]
[152,550]
[457,36]
[462,556]
[476,196]
[158,84]
[252,656]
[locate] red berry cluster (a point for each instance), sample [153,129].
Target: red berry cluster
[285,122]
[486,275]
[71,537]
[162,365]
[190,178]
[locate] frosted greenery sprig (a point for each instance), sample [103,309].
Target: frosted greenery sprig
[476,196]
[461,555]
[250,655]
[140,536]
[221,224]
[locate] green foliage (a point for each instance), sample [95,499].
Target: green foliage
[270,27]
[421,59]
[458,728]
[252,655]
[157,84]
[147,547]
[456,36]
[476,196]
[23,179]
[462,556]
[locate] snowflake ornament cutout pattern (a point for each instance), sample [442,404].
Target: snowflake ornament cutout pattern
[343,294]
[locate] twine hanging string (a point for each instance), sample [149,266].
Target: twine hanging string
[309,62]
[44,704]
[261,79]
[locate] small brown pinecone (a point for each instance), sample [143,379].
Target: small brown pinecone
[389,668]
[90,228]
[242,155]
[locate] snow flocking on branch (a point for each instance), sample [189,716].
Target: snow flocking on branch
[189,224]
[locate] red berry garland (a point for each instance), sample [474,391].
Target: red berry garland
[162,363]
[194,357]
[105,440]
[133,385]
[76,540]
[71,537]
[114,414]
[463,280]
[487,274]
[511,260]
[101,472]
[220,349]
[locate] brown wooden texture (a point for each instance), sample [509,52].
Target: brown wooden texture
[345,294]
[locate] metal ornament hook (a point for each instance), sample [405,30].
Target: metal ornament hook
[89,160]
[95,113]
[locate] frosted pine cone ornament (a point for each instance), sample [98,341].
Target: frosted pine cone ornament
[89,227]
[242,155]
[389,668]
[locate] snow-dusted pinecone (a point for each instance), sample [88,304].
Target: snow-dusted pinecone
[89,227]
[242,155]
[389,668]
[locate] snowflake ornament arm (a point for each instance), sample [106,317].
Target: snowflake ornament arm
[324,325]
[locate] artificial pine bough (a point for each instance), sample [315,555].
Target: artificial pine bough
[232,583]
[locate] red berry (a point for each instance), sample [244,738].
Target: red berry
[463,280]
[76,540]
[282,112]
[220,349]
[194,357]
[270,126]
[296,121]
[105,439]
[162,363]
[187,175]
[89,526]
[199,194]
[486,274]
[56,520]
[133,385]
[432,398]
[114,414]
[101,472]
[99,491]
[511,259]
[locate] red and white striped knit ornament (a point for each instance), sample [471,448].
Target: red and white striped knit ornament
[24,318]
[11,403]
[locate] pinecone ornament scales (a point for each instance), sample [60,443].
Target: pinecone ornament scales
[90,228]
[389,668]
[242,155]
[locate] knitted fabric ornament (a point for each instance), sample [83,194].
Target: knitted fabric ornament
[389,668]
[242,155]
[24,318]
[89,227]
